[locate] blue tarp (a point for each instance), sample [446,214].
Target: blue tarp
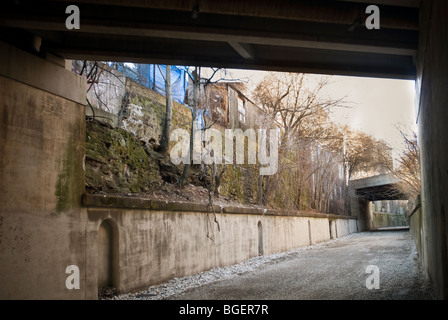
[200,114]
[153,77]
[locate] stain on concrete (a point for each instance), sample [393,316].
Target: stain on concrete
[64,184]
[3,130]
[70,180]
[1,231]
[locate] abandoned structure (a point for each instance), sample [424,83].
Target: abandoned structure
[230,107]
[48,224]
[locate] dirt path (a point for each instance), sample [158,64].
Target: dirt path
[336,270]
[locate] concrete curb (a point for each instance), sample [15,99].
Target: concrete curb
[113,201]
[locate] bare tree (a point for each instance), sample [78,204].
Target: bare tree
[195,78]
[200,102]
[292,98]
[165,139]
[298,105]
[408,166]
[107,88]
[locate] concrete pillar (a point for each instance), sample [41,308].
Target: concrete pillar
[42,141]
[365,218]
[361,209]
[432,92]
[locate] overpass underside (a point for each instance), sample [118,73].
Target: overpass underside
[385,192]
[42,119]
[304,36]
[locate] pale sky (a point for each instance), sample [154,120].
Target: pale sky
[378,106]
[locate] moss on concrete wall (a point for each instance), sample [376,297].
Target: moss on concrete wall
[70,183]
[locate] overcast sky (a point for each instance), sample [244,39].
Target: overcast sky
[378,105]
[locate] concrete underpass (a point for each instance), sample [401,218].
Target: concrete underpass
[45,224]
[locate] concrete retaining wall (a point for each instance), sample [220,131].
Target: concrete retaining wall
[159,241]
[345,227]
[384,220]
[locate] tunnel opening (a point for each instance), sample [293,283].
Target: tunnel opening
[389,214]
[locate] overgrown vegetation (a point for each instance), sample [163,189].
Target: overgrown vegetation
[317,157]
[117,162]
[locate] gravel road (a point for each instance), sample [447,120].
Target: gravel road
[331,270]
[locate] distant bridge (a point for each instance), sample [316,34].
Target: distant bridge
[380,187]
[362,191]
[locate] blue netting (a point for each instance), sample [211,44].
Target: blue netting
[153,77]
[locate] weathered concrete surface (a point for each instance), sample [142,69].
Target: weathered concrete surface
[432,93]
[386,220]
[415,225]
[160,240]
[42,136]
[331,271]
[361,209]
[375,181]
[42,74]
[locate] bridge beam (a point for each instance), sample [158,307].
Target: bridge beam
[318,36]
